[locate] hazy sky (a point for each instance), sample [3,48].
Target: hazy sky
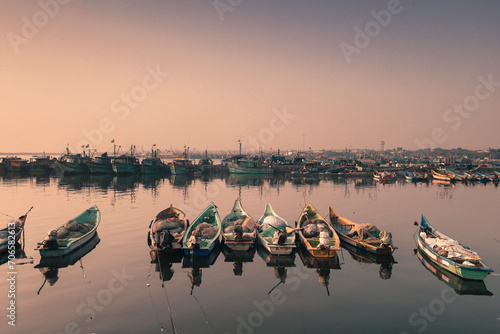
[275,74]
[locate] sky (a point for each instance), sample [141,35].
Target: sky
[285,74]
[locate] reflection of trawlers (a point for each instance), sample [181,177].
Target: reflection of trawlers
[460,285]
[49,266]
[362,256]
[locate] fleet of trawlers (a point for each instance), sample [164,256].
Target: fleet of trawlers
[297,165]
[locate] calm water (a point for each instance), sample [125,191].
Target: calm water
[114,288]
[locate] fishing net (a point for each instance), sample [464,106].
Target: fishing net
[174,225]
[312,228]
[207,231]
[451,249]
[242,221]
[364,232]
[73,229]
[273,221]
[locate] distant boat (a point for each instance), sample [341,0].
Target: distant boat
[310,237]
[449,254]
[363,236]
[39,165]
[71,235]
[281,244]
[127,164]
[410,177]
[240,227]
[15,165]
[17,226]
[249,166]
[152,164]
[441,177]
[203,233]
[101,164]
[167,231]
[181,166]
[74,163]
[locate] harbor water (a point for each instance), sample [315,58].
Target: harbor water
[112,286]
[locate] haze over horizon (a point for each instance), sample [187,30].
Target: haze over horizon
[282,74]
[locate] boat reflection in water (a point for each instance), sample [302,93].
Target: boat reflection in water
[196,263]
[164,263]
[238,257]
[321,264]
[361,256]
[49,266]
[459,285]
[279,263]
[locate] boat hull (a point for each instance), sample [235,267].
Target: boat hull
[126,169]
[99,168]
[466,272]
[236,169]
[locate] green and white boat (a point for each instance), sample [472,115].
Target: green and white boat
[249,166]
[449,254]
[101,164]
[203,245]
[284,243]
[235,223]
[71,235]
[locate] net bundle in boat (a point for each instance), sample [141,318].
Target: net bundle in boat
[73,229]
[451,249]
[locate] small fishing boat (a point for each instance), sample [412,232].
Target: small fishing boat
[203,233]
[363,236]
[471,176]
[314,238]
[239,229]
[71,235]
[442,177]
[449,254]
[276,236]
[410,177]
[166,231]
[17,226]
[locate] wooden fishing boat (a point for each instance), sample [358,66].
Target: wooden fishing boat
[74,163]
[249,166]
[372,240]
[101,164]
[152,164]
[233,226]
[410,177]
[196,244]
[71,235]
[15,165]
[39,165]
[312,244]
[15,225]
[126,165]
[167,231]
[471,176]
[449,254]
[181,166]
[460,285]
[440,176]
[283,246]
